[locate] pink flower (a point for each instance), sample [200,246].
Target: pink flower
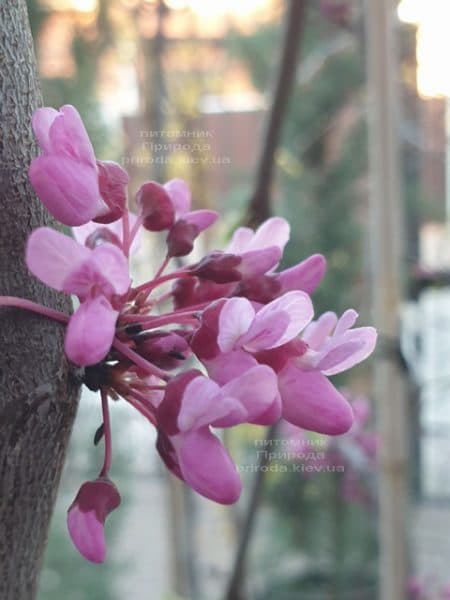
[168,207]
[232,331]
[99,278]
[71,184]
[86,517]
[330,347]
[192,403]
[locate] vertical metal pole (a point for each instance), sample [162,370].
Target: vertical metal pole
[387,253]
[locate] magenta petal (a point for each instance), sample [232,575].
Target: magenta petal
[67,188]
[259,262]
[90,332]
[312,402]
[86,517]
[207,467]
[202,219]
[305,276]
[69,137]
[52,256]
[87,534]
[225,367]
[42,120]
[180,195]
[256,390]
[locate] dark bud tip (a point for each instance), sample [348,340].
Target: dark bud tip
[99,434]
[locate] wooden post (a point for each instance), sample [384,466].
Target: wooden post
[387,253]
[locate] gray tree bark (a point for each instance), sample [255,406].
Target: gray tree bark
[38,390]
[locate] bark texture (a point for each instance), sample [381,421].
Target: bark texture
[38,390]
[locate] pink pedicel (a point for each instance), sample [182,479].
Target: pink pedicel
[249,326]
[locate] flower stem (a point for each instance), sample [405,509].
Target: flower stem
[126,241]
[31,306]
[148,286]
[107,434]
[139,361]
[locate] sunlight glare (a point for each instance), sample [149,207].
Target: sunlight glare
[433,44]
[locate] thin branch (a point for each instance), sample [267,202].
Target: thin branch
[260,205]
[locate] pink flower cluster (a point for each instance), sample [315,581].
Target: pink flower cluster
[224,341]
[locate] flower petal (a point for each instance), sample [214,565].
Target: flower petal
[180,195]
[202,219]
[349,349]
[235,318]
[259,262]
[113,266]
[68,136]
[273,232]
[207,467]
[201,404]
[317,332]
[305,276]
[67,188]
[312,402]
[241,238]
[90,332]
[256,390]
[87,534]
[41,122]
[346,320]
[293,311]
[52,256]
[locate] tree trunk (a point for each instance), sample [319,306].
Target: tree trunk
[38,390]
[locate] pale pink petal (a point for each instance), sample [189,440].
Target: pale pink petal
[256,390]
[87,534]
[67,188]
[273,232]
[305,276]
[339,358]
[312,402]
[202,403]
[259,262]
[235,318]
[316,334]
[52,256]
[295,311]
[202,219]
[207,467]
[41,122]
[69,136]
[347,320]
[90,332]
[180,194]
[113,266]
[240,240]
[266,332]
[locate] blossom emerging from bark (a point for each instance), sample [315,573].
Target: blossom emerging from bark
[248,325]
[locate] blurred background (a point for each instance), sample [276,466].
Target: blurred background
[335,115]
